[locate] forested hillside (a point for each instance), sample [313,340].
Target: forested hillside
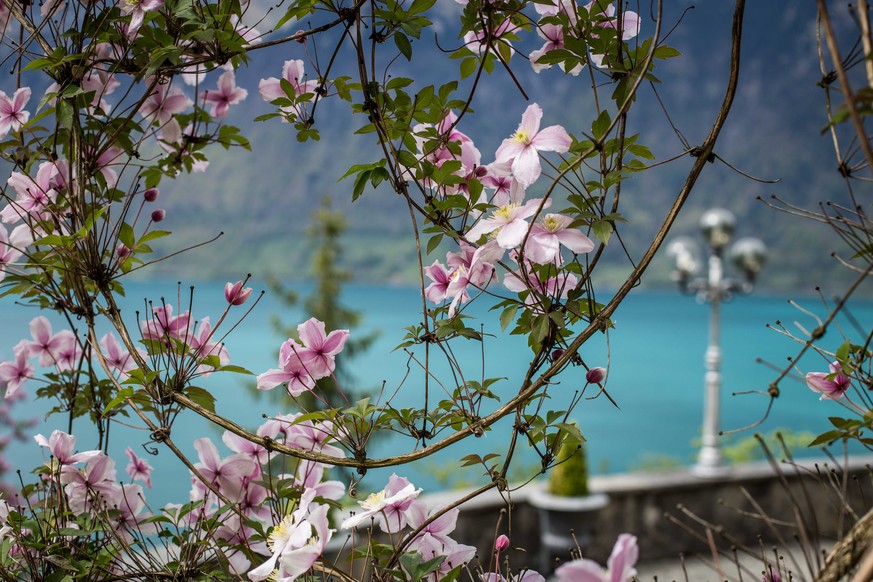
[774,132]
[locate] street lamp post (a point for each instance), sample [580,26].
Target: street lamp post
[748,254]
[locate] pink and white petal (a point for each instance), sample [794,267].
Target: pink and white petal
[536,55]
[270,89]
[335,341]
[575,241]
[20,98]
[581,571]
[526,166]
[482,227]
[293,71]
[297,562]
[300,383]
[552,139]
[207,452]
[41,329]
[623,558]
[541,248]
[512,235]
[530,120]
[509,149]
[514,282]
[312,333]
[272,378]
[631,23]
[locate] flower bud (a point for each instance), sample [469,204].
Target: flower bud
[151,194]
[301,39]
[502,543]
[235,294]
[595,375]
[122,250]
[158,215]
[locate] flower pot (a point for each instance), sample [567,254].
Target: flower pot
[561,520]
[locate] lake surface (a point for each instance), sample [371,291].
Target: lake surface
[654,355]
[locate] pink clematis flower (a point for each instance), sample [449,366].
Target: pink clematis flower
[12,113]
[138,468]
[14,373]
[510,222]
[227,475]
[477,40]
[12,245]
[553,34]
[227,94]
[117,358]
[61,446]
[130,516]
[292,372]
[48,347]
[292,71]
[296,543]
[619,567]
[92,487]
[137,10]
[383,502]
[506,187]
[547,235]
[522,150]
[320,349]
[33,195]
[442,278]
[558,286]
[630,27]
[831,386]
[470,267]
[164,325]
[163,103]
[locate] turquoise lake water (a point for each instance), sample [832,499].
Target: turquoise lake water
[654,355]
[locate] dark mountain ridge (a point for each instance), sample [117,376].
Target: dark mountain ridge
[260,199]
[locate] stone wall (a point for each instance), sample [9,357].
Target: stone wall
[640,503]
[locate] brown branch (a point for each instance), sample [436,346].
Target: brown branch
[848,551]
[844,82]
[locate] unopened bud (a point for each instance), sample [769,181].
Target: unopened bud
[235,294]
[151,194]
[595,375]
[502,543]
[158,215]
[122,250]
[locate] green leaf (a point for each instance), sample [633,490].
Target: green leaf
[417,567]
[469,66]
[434,242]
[825,438]
[603,230]
[601,125]
[407,158]
[666,52]
[122,395]
[201,397]
[403,45]
[508,316]
[64,113]
[235,370]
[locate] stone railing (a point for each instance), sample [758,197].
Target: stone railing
[643,503]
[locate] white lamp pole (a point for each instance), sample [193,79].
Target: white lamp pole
[717,226]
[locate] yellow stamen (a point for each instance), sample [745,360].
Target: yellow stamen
[521,137]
